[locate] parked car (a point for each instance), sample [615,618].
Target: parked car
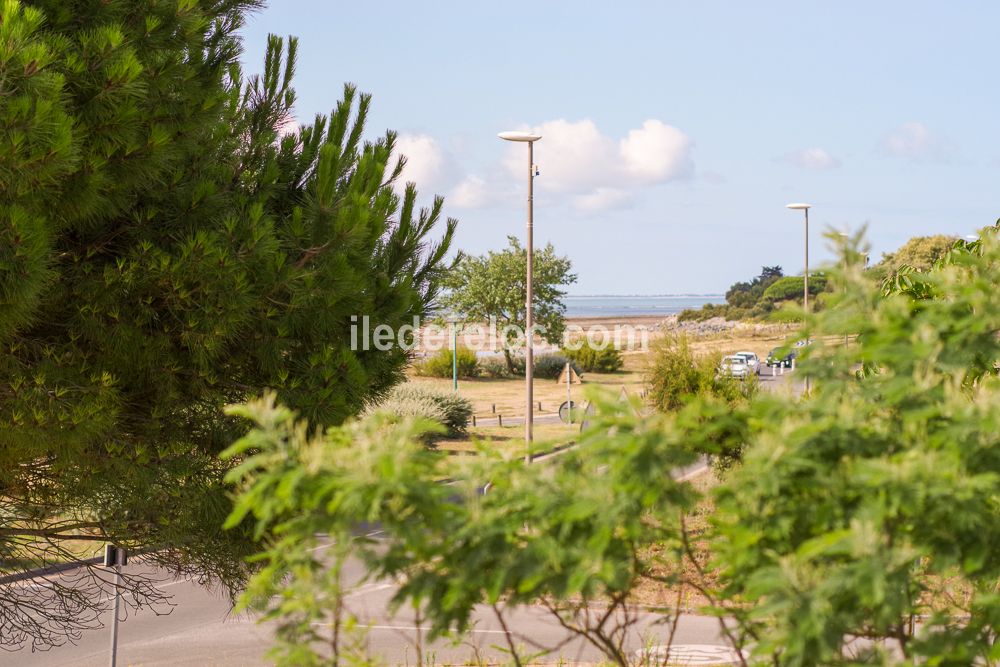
[776,358]
[734,366]
[752,361]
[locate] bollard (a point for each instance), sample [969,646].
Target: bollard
[773,372]
[539,406]
[473,420]
[493,408]
[499,420]
[781,368]
[793,364]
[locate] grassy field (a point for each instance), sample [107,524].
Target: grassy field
[505,397]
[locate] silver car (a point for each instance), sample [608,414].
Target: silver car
[734,366]
[752,361]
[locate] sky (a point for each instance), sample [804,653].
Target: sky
[674,133]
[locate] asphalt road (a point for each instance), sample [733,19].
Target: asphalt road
[202,630]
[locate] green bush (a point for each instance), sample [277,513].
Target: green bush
[447,408]
[439,365]
[706,312]
[790,288]
[550,366]
[494,367]
[596,360]
[676,376]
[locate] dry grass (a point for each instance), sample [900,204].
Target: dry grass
[507,394]
[511,438]
[669,563]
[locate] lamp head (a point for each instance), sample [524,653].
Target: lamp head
[519,136]
[799,206]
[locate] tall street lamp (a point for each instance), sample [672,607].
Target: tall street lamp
[845,236]
[805,282]
[529,358]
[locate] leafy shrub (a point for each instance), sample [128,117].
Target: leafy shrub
[790,288]
[439,365]
[401,407]
[547,366]
[449,409]
[706,312]
[493,367]
[596,360]
[676,376]
[550,366]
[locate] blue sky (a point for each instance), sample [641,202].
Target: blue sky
[674,132]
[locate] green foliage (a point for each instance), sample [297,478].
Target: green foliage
[852,506]
[493,367]
[492,286]
[748,294]
[446,408]
[920,253]
[706,312]
[676,377]
[596,359]
[164,251]
[743,299]
[858,508]
[551,366]
[572,534]
[440,364]
[790,288]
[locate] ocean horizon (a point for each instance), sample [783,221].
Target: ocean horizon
[631,305]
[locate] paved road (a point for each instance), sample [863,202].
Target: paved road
[202,630]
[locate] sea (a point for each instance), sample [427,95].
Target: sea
[629,305]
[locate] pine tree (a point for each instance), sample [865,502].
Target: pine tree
[165,250]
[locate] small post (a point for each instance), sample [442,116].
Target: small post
[499,420]
[473,420]
[539,406]
[115,557]
[569,400]
[773,372]
[493,408]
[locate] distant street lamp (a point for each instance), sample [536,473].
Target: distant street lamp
[454,353]
[529,358]
[805,282]
[845,236]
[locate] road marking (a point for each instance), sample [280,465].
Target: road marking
[373,533]
[413,628]
[370,588]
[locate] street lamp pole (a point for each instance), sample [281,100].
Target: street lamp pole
[845,236]
[805,281]
[454,355]
[530,139]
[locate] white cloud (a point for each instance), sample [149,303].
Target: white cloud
[816,159]
[426,162]
[915,141]
[656,153]
[573,157]
[576,158]
[472,192]
[602,199]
